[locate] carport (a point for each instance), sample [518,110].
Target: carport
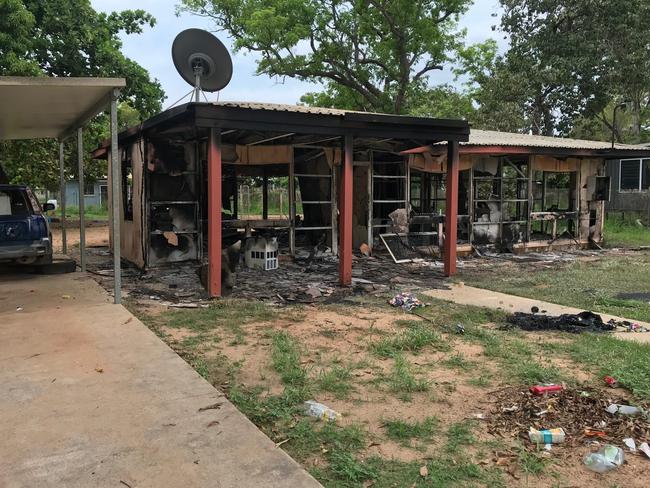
[59,108]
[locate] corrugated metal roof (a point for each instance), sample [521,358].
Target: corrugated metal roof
[281,107]
[493,138]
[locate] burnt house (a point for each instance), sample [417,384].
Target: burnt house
[522,192]
[348,174]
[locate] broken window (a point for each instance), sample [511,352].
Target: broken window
[554,205]
[500,200]
[427,193]
[389,188]
[127,183]
[313,197]
[174,213]
[635,175]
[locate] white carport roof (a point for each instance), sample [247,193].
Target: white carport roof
[44,107]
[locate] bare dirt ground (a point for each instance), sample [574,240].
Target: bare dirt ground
[96,235]
[454,378]
[464,381]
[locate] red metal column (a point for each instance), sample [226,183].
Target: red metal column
[214,213]
[451,212]
[345,220]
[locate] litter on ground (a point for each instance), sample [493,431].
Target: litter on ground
[407,301]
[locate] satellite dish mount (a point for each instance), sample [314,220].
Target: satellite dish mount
[202,66]
[202,61]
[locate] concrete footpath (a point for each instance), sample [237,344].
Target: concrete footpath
[91,397]
[468,295]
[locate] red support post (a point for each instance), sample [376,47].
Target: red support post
[345,220]
[214,212]
[451,212]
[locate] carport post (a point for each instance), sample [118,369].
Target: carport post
[82,203]
[451,211]
[214,212]
[116,198]
[345,251]
[64,239]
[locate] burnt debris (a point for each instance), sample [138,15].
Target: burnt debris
[573,323]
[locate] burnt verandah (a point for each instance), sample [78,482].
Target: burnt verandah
[316,149]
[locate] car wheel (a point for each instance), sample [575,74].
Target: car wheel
[47,259]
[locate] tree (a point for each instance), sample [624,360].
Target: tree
[374,55]
[69,38]
[569,60]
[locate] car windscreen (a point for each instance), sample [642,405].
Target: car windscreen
[13,204]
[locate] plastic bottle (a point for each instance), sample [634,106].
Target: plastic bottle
[608,458]
[315,409]
[623,409]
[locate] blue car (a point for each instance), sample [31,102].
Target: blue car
[25,236]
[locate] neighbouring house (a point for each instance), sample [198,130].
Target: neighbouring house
[507,191]
[95,193]
[630,187]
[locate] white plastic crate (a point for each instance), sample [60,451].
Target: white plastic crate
[262,253]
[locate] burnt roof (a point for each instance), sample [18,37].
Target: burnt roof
[277,119]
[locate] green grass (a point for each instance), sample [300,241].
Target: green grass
[415,336]
[285,354]
[588,285]
[229,315]
[337,380]
[627,361]
[401,380]
[459,362]
[460,435]
[481,381]
[404,432]
[531,462]
[624,233]
[91,212]
[340,450]
[519,361]
[443,472]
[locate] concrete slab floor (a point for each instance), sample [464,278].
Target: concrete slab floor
[468,295]
[91,397]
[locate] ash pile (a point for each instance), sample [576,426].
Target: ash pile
[572,323]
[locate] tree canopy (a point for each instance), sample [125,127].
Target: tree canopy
[374,55]
[69,38]
[569,63]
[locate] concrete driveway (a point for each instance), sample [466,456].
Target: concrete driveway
[91,397]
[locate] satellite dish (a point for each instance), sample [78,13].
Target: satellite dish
[202,60]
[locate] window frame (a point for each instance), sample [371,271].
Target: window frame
[639,188]
[86,194]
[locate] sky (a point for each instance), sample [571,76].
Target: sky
[152,50]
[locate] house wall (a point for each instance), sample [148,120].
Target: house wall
[72,194]
[626,201]
[132,232]
[588,227]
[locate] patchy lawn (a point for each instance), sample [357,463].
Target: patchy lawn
[598,285]
[625,233]
[409,389]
